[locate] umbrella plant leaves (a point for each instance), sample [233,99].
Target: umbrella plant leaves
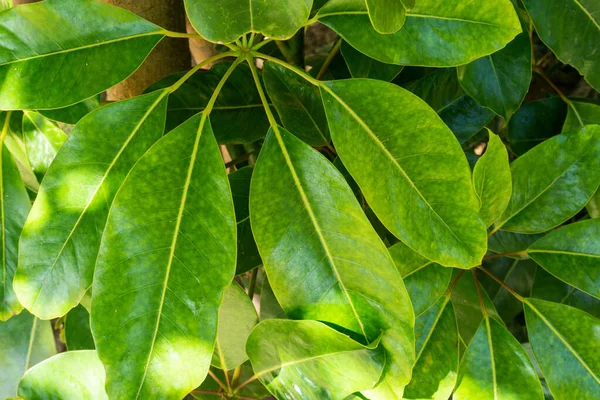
[352,281]
[308,359]
[436,33]
[42,140]
[278,19]
[61,238]
[392,159]
[56,53]
[362,66]
[167,255]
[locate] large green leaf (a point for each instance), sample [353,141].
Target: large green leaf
[167,255]
[501,80]
[24,342]
[71,375]
[298,104]
[227,20]
[496,366]
[571,28]
[572,254]
[564,341]
[581,113]
[350,280]
[237,317]
[362,66]
[437,33]
[492,180]
[307,359]
[78,335]
[410,168]
[61,237]
[42,140]
[436,367]
[553,181]
[388,16]
[56,53]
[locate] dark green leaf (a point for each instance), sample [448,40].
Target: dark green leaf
[72,114]
[362,66]
[167,255]
[269,307]
[580,113]
[510,242]
[42,140]
[56,53]
[419,185]
[78,335]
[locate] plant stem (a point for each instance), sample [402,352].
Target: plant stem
[512,253]
[182,35]
[481,302]
[248,381]
[209,392]
[261,93]
[261,44]
[453,285]
[334,50]
[5,127]
[298,71]
[197,67]
[252,284]
[501,283]
[216,379]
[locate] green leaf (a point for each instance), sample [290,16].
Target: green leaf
[593,206]
[24,342]
[437,33]
[362,66]
[277,19]
[42,140]
[510,242]
[5,4]
[71,375]
[56,53]
[237,317]
[269,307]
[298,104]
[572,254]
[255,389]
[534,123]
[425,280]
[557,22]
[496,366]
[492,180]
[565,164]
[72,114]
[387,16]
[238,115]
[580,113]
[14,207]
[61,237]
[562,339]
[418,184]
[13,140]
[167,255]
[352,281]
[307,359]
[78,335]
[501,80]
[435,371]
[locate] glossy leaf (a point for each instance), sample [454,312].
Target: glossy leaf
[500,80]
[71,375]
[72,114]
[572,254]
[269,307]
[492,180]
[388,16]
[436,367]
[278,19]
[237,317]
[307,359]
[61,238]
[560,338]
[362,66]
[42,140]
[580,113]
[557,22]
[167,255]
[425,281]
[437,33]
[13,140]
[496,366]
[553,181]
[298,104]
[352,281]
[392,160]
[510,242]
[24,342]
[56,53]
[78,335]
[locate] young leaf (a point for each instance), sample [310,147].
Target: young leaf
[388,16]
[436,33]
[71,375]
[352,281]
[492,180]
[436,367]
[572,254]
[501,80]
[237,317]
[61,237]
[563,341]
[418,184]
[78,335]
[167,255]
[56,53]
[496,366]
[42,140]
[553,181]
[307,359]
[362,66]
[24,342]
[557,22]
[277,19]
[580,113]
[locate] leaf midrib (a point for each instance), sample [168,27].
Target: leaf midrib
[565,252]
[587,13]
[492,358]
[433,326]
[2,222]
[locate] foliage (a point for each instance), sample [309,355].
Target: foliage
[426,227]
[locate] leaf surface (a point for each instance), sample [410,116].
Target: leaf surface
[78,335]
[581,113]
[362,66]
[387,16]
[43,139]
[72,114]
